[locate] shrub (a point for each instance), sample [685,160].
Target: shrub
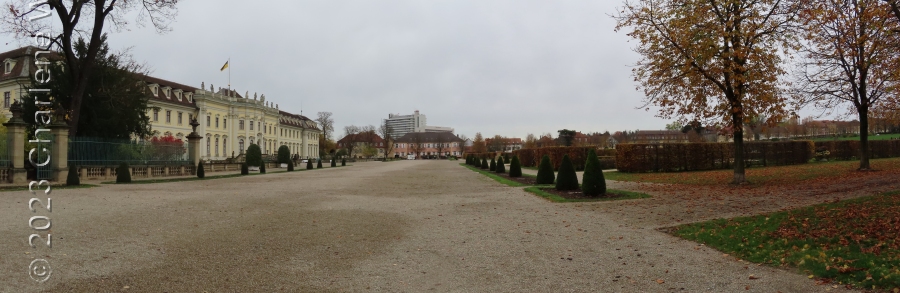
[200,172]
[500,167]
[567,179]
[122,175]
[343,162]
[308,164]
[244,169]
[484,163]
[284,154]
[290,166]
[254,155]
[319,164]
[592,182]
[72,179]
[262,168]
[515,168]
[545,171]
[333,162]
[493,165]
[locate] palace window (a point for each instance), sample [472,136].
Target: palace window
[251,125]
[190,118]
[168,116]
[217,146]
[6,100]
[224,123]
[179,117]
[208,119]
[240,124]
[8,68]
[156,115]
[217,122]
[207,146]
[224,146]
[241,145]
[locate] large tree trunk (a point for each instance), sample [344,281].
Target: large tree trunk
[739,177]
[864,140]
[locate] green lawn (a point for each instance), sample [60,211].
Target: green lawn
[856,137]
[854,242]
[494,176]
[759,175]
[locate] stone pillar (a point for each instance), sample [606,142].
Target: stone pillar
[59,155]
[304,149]
[15,145]
[194,145]
[107,172]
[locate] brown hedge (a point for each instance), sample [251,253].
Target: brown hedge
[676,157]
[578,155]
[849,149]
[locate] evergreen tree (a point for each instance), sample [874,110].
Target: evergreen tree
[290,165]
[515,167]
[333,162]
[284,154]
[309,164]
[262,168]
[484,163]
[254,155]
[200,172]
[343,162]
[244,169]
[545,171]
[122,175]
[592,182]
[493,165]
[500,167]
[567,179]
[73,179]
[319,164]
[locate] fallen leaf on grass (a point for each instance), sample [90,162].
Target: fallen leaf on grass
[752,277]
[660,281]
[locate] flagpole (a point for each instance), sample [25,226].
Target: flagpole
[229,73]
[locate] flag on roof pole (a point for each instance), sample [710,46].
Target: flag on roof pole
[224,66]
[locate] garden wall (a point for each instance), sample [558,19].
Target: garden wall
[676,157]
[849,149]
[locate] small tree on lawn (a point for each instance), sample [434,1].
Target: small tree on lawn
[254,155]
[567,179]
[319,164]
[290,166]
[592,182]
[500,167]
[122,175]
[284,154]
[200,172]
[343,162]
[484,163]
[333,162]
[309,164]
[493,165]
[515,167]
[262,168]
[73,179]
[244,169]
[545,171]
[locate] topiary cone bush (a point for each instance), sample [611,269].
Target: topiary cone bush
[484,163]
[500,167]
[333,162]
[493,165]
[122,175]
[319,164]
[567,179]
[308,164]
[469,160]
[290,166]
[592,182]
[515,167]
[545,171]
[72,178]
[254,155]
[244,169]
[284,154]
[200,172]
[262,168]
[343,162]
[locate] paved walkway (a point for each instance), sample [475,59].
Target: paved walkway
[412,226]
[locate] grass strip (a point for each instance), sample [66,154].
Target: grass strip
[852,242]
[536,190]
[211,177]
[492,175]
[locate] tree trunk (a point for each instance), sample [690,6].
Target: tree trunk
[739,176]
[864,140]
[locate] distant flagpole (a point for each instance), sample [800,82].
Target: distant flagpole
[227,65]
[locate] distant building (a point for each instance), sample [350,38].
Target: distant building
[428,144]
[403,124]
[506,145]
[360,141]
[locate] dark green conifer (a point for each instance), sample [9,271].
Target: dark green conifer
[545,171]
[567,179]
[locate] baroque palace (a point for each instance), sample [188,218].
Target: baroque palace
[229,122]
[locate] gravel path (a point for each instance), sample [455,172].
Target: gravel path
[410,226]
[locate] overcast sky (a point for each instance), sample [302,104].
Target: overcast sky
[496,67]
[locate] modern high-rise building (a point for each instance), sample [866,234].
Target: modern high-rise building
[403,124]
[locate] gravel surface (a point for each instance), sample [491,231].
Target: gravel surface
[411,226]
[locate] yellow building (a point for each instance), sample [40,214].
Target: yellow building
[229,122]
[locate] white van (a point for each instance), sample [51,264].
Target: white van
[410,157]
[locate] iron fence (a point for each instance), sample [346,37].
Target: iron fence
[89,151]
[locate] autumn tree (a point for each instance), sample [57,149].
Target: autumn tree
[851,56]
[497,143]
[81,20]
[440,143]
[712,59]
[327,123]
[478,145]
[350,138]
[387,133]
[530,141]
[566,136]
[417,143]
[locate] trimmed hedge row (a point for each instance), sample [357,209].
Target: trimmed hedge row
[849,149]
[578,155]
[675,157]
